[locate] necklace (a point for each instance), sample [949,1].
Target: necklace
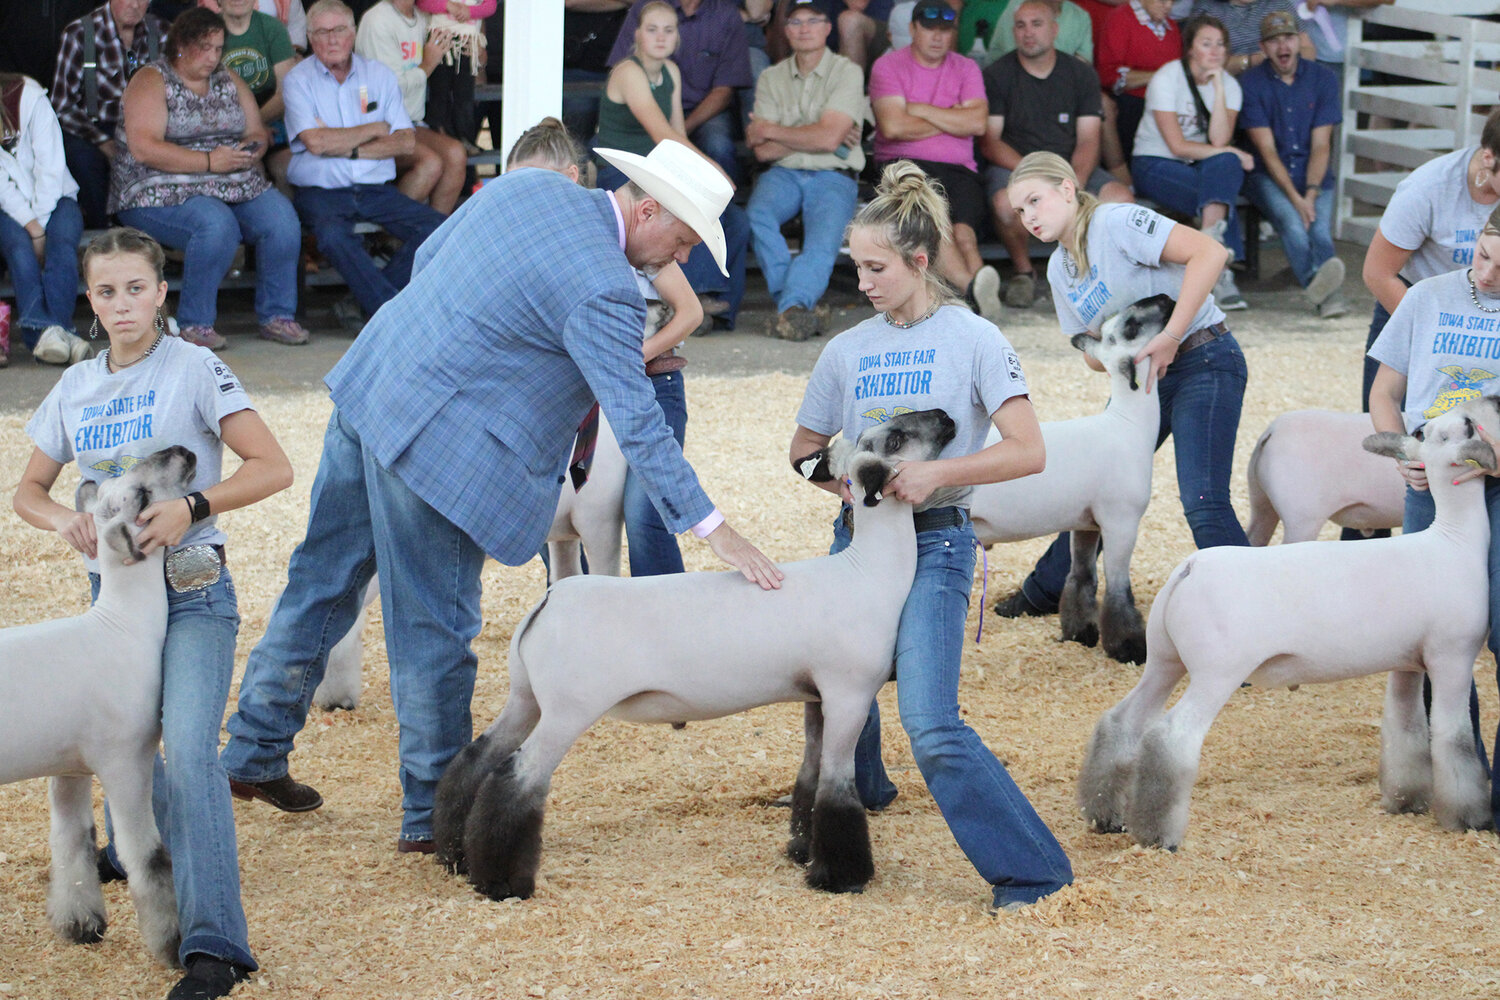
[109,361]
[1474,294]
[925,316]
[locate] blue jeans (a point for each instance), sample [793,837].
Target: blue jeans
[362,515]
[331,214]
[1307,247]
[1418,516]
[1187,187]
[1200,396]
[653,549]
[826,200]
[190,795]
[716,138]
[208,231]
[45,292]
[88,166]
[993,823]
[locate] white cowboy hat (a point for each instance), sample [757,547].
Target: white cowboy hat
[685,184]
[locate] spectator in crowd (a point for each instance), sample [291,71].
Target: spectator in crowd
[1039,101]
[288,13]
[450,85]
[1075,33]
[522,311]
[862,30]
[40,223]
[347,123]
[1139,38]
[1291,107]
[399,35]
[86,92]
[806,126]
[188,172]
[1241,20]
[258,48]
[929,106]
[1183,157]
[1329,29]
[641,106]
[715,61]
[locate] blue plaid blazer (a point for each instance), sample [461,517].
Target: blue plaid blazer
[470,383]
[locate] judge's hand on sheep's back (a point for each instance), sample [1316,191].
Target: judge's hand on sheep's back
[730,546]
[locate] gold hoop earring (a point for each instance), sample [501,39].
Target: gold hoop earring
[94,330]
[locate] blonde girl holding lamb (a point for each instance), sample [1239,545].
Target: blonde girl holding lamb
[1107,257]
[926,349]
[145,392]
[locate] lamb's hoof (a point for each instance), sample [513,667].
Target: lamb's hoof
[1100,824]
[1088,635]
[1131,649]
[825,881]
[334,705]
[799,849]
[86,928]
[501,891]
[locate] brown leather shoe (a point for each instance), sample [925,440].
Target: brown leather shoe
[405,846]
[284,793]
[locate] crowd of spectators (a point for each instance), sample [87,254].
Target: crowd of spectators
[219,139]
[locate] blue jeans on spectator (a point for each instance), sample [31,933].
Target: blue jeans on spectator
[1187,187]
[700,270]
[993,823]
[580,112]
[331,214]
[208,231]
[45,292]
[652,548]
[826,200]
[1418,516]
[90,168]
[1307,247]
[755,38]
[1201,395]
[360,515]
[190,794]
[716,138]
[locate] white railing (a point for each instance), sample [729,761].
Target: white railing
[1431,115]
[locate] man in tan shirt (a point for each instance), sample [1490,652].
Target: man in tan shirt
[808,111]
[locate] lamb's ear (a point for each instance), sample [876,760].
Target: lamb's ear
[1477,453]
[814,468]
[87,491]
[1392,445]
[1085,342]
[872,477]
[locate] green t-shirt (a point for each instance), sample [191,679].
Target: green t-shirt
[254,54]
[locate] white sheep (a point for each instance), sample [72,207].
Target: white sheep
[599,645]
[82,696]
[588,521]
[1318,611]
[1309,467]
[1096,485]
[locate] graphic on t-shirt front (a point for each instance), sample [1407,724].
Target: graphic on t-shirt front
[1463,250]
[895,373]
[1091,295]
[113,467]
[1462,385]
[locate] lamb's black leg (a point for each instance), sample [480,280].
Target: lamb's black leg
[455,799]
[1078,608]
[798,848]
[503,834]
[841,859]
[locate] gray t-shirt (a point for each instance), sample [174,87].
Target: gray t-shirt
[1448,350]
[1432,215]
[955,360]
[1125,266]
[106,422]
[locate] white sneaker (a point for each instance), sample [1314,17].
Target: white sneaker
[1227,294]
[986,290]
[1334,306]
[54,347]
[1328,279]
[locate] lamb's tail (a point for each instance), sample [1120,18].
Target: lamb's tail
[1159,644]
[1263,516]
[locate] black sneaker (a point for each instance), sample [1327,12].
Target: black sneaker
[1018,605]
[207,978]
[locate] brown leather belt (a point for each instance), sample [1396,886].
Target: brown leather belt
[1201,336]
[664,363]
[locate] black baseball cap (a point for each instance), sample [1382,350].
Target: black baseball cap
[934,14]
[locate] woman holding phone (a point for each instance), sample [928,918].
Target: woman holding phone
[189,173]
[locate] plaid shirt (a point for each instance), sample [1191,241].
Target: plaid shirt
[114,69]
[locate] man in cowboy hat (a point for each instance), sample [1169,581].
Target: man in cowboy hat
[454,416]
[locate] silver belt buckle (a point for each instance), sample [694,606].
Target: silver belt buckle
[195,567]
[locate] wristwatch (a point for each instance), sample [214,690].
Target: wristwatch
[199,503]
